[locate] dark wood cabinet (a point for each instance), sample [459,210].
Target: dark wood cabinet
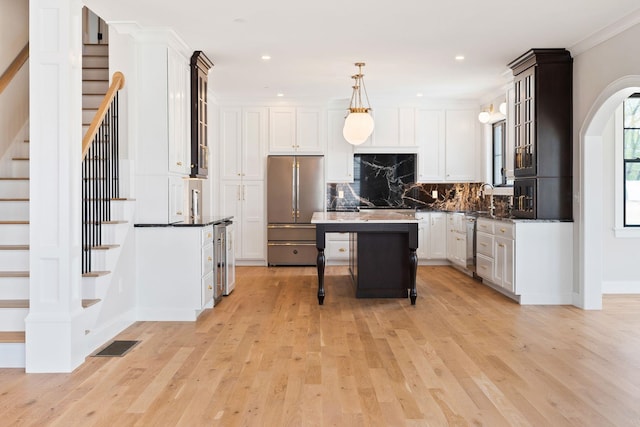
[200,66]
[542,134]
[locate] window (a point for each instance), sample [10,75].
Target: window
[631,160]
[499,154]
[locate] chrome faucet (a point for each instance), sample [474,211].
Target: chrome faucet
[492,207]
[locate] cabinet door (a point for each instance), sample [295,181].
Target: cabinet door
[178,117]
[177,202]
[460,256]
[461,140]
[254,138]
[451,238]
[430,137]
[407,127]
[282,129]
[231,143]
[230,264]
[503,272]
[423,238]
[252,234]
[339,152]
[437,242]
[386,132]
[231,196]
[309,135]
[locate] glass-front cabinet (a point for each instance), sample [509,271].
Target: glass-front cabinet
[542,134]
[200,66]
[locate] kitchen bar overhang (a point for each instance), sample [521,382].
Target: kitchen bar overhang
[390,236]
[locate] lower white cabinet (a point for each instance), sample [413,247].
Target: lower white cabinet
[456,239]
[244,200]
[432,236]
[337,248]
[530,261]
[174,272]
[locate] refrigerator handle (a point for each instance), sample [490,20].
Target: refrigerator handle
[294,200]
[297,189]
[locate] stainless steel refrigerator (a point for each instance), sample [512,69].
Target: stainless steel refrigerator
[295,190]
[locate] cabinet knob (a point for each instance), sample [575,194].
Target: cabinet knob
[209,259]
[210,287]
[342,250]
[502,230]
[209,235]
[501,245]
[179,163]
[179,213]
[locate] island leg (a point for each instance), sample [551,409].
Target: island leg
[320,264]
[413,268]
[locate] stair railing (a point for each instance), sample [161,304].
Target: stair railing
[14,67]
[100,170]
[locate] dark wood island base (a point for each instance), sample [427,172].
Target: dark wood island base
[383,260]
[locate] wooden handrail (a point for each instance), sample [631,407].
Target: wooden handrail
[14,67]
[117,83]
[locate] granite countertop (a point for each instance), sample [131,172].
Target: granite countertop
[189,222]
[376,216]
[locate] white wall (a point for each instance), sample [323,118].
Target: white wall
[14,101]
[602,74]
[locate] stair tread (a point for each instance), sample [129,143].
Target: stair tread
[14,247]
[7,337]
[14,274]
[96,273]
[24,303]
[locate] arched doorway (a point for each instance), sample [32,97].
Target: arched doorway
[590,222]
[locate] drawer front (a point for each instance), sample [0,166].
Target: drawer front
[207,288]
[505,230]
[337,236]
[304,253]
[207,259]
[484,267]
[337,249]
[484,244]
[207,235]
[484,225]
[291,232]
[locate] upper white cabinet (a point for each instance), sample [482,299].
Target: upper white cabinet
[178,112]
[395,128]
[448,145]
[295,130]
[243,135]
[339,157]
[430,137]
[461,141]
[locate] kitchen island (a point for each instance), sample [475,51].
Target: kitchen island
[382,258]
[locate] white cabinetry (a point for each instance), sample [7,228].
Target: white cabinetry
[529,261]
[243,136]
[337,248]
[177,202]
[432,236]
[244,200]
[456,239]
[162,131]
[339,157]
[448,145]
[174,272]
[394,130]
[295,130]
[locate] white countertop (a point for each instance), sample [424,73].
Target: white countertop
[378,216]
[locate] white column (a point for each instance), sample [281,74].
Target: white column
[55,333]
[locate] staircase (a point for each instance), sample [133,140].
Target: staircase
[14,230]
[14,253]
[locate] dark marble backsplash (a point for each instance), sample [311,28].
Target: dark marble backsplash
[450,197]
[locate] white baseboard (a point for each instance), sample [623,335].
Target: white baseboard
[12,355]
[621,287]
[97,338]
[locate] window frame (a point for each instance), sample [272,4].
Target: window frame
[502,124]
[625,163]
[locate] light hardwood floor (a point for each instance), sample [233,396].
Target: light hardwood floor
[269,355]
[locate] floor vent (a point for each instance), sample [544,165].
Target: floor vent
[116,348]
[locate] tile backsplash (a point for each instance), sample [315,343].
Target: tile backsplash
[450,197]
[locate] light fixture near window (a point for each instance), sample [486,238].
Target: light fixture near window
[485,116]
[358,124]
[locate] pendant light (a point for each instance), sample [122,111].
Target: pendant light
[359,124]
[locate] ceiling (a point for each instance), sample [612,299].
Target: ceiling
[409,46]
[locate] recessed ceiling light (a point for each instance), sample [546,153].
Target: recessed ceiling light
[459,57]
[419,94]
[280,94]
[266,57]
